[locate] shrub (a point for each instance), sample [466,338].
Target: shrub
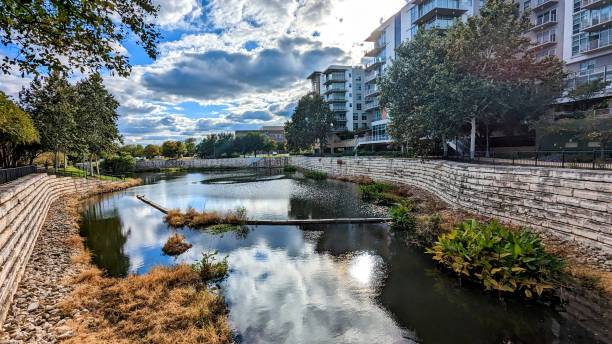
[316,175]
[176,245]
[382,193]
[500,258]
[290,169]
[209,269]
[429,229]
[116,164]
[194,219]
[403,217]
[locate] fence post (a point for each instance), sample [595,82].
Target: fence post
[563,158]
[536,158]
[594,157]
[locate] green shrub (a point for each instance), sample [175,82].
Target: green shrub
[500,258]
[403,217]
[290,169]
[315,175]
[209,269]
[429,229]
[382,193]
[116,164]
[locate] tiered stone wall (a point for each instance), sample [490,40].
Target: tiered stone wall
[148,165]
[574,204]
[23,208]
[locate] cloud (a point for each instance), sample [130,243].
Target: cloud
[177,13]
[218,74]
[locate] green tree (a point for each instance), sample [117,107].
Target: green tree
[52,104]
[151,151]
[117,164]
[311,122]
[16,129]
[252,143]
[191,146]
[59,35]
[96,130]
[173,149]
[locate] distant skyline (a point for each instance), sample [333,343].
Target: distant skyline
[227,65]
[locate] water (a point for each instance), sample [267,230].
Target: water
[314,284]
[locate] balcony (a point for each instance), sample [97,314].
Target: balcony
[433,8]
[552,41]
[597,45]
[336,100]
[331,90]
[335,78]
[599,23]
[372,91]
[543,4]
[378,48]
[369,77]
[580,78]
[543,25]
[593,4]
[371,105]
[338,108]
[374,63]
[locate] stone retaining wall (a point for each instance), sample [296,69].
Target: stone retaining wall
[574,204]
[23,207]
[148,165]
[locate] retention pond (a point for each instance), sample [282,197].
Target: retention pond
[355,283]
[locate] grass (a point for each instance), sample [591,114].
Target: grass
[316,175]
[209,269]
[194,219]
[166,305]
[77,171]
[176,245]
[223,228]
[381,193]
[290,169]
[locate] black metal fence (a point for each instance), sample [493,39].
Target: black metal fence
[591,159]
[10,174]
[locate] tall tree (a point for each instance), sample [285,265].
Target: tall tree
[151,151]
[96,119]
[311,122]
[16,129]
[173,149]
[494,53]
[51,101]
[191,146]
[59,35]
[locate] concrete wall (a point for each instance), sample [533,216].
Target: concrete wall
[147,165]
[23,208]
[574,204]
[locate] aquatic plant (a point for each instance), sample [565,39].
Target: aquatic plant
[500,258]
[380,192]
[290,169]
[316,175]
[209,269]
[176,245]
[403,217]
[194,219]
[428,229]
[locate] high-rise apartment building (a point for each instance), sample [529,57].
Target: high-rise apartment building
[342,87]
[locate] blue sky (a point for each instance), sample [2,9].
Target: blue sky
[232,64]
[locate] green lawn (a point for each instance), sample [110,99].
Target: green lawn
[73,170]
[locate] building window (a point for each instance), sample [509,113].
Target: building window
[526,5]
[358,96]
[576,6]
[355,117]
[364,125]
[359,106]
[355,126]
[364,117]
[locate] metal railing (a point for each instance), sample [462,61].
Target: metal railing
[584,159]
[10,174]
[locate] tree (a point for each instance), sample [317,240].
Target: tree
[252,143]
[51,102]
[117,164]
[96,119]
[173,149]
[16,129]
[57,35]
[494,53]
[151,151]
[135,150]
[311,122]
[191,146]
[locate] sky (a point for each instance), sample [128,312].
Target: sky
[226,65]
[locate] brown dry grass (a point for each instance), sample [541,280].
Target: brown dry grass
[176,245]
[166,305]
[194,219]
[74,241]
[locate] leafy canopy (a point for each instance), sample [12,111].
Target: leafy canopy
[60,34]
[16,129]
[311,122]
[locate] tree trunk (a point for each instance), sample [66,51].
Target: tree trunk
[444,146]
[487,139]
[473,139]
[98,166]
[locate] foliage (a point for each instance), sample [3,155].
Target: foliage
[428,230]
[498,257]
[59,35]
[173,149]
[215,145]
[195,219]
[483,68]
[191,146]
[151,151]
[16,129]
[176,245]
[316,175]
[253,143]
[118,164]
[380,192]
[310,123]
[290,169]
[137,151]
[209,269]
[403,217]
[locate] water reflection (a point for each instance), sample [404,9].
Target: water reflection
[315,284]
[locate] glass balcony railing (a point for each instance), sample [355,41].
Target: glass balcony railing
[432,8]
[374,62]
[603,73]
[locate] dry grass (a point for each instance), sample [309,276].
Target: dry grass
[194,219]
[74,241]
[176,245]
[361,180]
[167,305]
[82,257]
